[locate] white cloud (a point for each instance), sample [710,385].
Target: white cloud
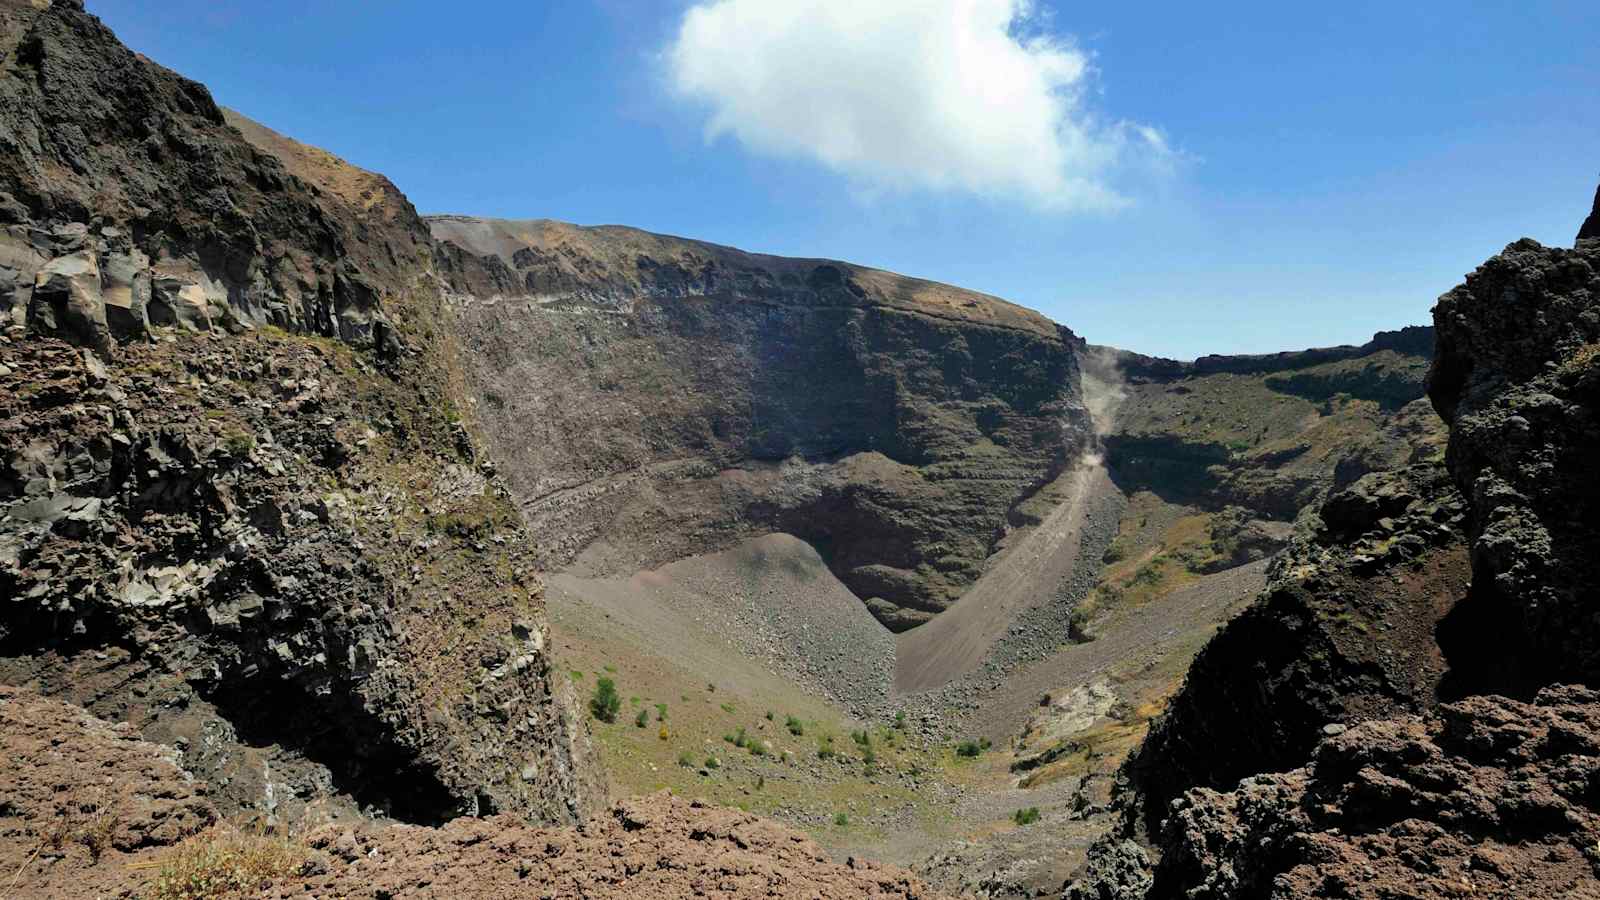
[962,95]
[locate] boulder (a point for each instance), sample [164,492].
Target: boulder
[180,301]
[127,293]
[67,300]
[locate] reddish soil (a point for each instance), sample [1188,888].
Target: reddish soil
[80,799]
[89,811]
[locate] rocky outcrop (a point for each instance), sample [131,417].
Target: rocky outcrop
[1590,230]
[110,157]
[1490,797]
[1403,623]
[653,398]
[239,510]
[1518,379]
[1345,631]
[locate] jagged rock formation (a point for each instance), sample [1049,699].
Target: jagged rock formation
[653,398]
[1271,434]
[1518,379]
[238,509]
[1484,794]
[1590,230]
[117,170]
[1345,630]
[1491,798]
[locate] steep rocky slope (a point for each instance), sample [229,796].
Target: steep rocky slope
[653,398]
[1270,434]
[1412,591]
[238,508]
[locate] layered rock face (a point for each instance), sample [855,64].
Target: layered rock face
[125,200]
[1270,434]
[653,398]
[238,508]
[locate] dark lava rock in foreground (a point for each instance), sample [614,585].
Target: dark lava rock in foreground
[1517,376]
[1489,798]
[1449,762]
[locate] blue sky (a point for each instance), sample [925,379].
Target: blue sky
[1327,170]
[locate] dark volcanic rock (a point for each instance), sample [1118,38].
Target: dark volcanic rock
[1491,798]
[1518,379]
[1371,618]
[278,551]
[653,398]
[106,154]
[1345,631]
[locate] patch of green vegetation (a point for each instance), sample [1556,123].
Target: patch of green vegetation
[483,515]
[605,703]
[841,820]
[661,712]
[642,719]
[1025,817]
[795,726]
[238,442]
[729,708]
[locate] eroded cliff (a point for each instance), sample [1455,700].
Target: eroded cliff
[238,507]
[653,398]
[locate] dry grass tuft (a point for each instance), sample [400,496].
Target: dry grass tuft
[226,863]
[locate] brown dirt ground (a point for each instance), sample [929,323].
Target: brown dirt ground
[89,811]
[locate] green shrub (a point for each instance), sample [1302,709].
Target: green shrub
[900,720]
[842,820]
[661,712]
[729,708]
[642,719]
[968,749]
[795,726]
[1026,816]
[769,715]
[713,763]
[756,748]
[605,703]
[685,760]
